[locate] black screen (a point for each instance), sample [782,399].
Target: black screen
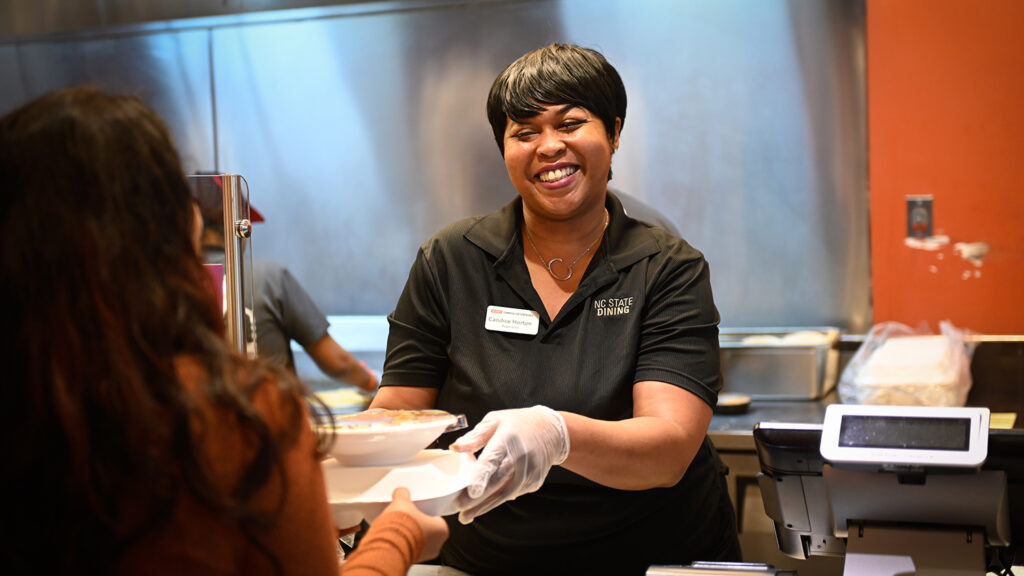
[905,432]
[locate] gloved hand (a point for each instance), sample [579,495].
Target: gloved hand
[519,448]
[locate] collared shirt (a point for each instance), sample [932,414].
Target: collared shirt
[643,311]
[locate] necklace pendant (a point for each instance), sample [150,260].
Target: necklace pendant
[552,272]
[572,265]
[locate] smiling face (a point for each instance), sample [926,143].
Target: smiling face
[559,160]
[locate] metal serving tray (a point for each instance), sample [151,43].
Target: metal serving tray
[769,364]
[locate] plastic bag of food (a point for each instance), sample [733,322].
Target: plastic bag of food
[897,365]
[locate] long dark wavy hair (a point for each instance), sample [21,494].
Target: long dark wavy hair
[103,289]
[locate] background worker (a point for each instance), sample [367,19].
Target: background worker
[282,310]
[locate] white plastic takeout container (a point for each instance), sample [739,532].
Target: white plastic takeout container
[434,479]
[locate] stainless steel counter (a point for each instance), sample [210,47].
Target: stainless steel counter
[735,431]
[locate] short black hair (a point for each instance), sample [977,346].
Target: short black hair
[556,74]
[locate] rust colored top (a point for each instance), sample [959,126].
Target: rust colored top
[200,542]
[391,545]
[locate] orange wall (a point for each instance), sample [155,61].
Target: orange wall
[946,117]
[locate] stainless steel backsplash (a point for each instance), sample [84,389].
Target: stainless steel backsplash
[360,126]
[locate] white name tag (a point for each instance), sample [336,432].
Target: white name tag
[515,320]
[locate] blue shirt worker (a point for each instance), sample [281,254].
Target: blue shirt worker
[282,309]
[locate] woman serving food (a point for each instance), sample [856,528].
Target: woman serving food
[581,343]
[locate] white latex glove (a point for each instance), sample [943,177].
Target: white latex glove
[519,448]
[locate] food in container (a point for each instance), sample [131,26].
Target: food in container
[388,437]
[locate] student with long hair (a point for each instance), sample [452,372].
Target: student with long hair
[135,439]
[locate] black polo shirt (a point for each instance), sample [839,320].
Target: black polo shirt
[643,311]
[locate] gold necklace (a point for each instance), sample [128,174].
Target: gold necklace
[548,263]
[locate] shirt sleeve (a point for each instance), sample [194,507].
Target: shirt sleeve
[679,336]
[302,319]
[392,544]
[420,332]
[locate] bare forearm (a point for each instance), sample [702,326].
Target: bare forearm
[339,364]
[652,449]
[353,372]
[634,454]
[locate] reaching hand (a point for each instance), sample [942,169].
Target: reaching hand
[519,448]
[434,527]
[372,382]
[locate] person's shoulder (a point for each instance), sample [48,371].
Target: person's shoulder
[451,237]
[643,212]
[458,228]
[268,267]
[272,392]
[672,251]
[273,277]
[660,243]
[674,244]
[678,249]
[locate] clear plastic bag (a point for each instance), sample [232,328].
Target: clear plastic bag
[898,365]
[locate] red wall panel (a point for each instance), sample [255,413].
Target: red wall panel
[946,118]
